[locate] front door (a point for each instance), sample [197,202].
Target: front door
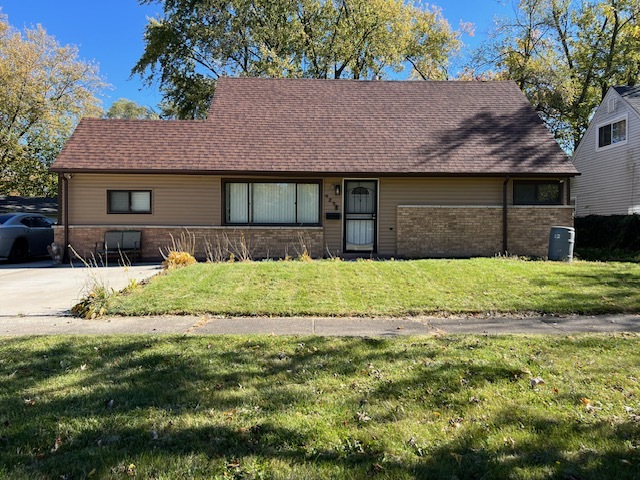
[360,208]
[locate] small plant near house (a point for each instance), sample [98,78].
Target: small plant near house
[227,249]
[304,256]
[303,251]
[186,242]
[178,260]
[181,252]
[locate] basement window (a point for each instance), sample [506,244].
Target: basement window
[527,192]
[128,201]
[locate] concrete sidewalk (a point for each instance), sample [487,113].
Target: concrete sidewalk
[378,327]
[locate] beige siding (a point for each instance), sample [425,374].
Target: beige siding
[429,191]
[610,180]
[332,228]
[177,199]
[185,200]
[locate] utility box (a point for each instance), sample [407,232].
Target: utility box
[561,241]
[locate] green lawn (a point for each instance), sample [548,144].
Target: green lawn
[338,288]
[265,407]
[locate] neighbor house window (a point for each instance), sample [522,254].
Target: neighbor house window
[612,133]
[537,193]
[128,201]
[272,203]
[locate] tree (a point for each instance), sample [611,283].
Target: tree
[45,91]
[128,109]
[564,55]
[195,42]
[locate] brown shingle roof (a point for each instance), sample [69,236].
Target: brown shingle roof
[333,126]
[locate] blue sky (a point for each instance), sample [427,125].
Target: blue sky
[111,33]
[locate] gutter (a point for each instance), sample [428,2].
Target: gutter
[504,215]
[313,174]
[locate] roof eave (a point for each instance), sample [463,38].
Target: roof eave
[291,173]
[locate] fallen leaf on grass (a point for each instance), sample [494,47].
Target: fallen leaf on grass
[456,422]
[56,444]
[535,381]
[585,401]
[362,417]
[509,441]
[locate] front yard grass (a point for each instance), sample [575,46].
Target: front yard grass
[320,408]
[395,288]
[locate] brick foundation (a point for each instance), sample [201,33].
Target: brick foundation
[272,242]
[442,231]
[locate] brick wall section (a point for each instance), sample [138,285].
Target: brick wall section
[261,242]
[433,231]
[442,231]
[529,228]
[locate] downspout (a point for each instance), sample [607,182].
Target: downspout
[504,216]
[65,213]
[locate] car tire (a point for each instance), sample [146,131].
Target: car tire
[19,251]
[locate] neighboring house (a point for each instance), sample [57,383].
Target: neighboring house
[608,157]
[392,169]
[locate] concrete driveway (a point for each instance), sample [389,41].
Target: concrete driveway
[42,289]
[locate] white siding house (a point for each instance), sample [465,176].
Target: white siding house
[608,157]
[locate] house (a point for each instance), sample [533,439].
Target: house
[383,168]
[608,157]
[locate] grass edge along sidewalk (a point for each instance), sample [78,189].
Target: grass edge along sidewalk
[387,288]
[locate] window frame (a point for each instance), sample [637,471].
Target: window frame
[537,183]
[611,123]
[130,211]
[250,223]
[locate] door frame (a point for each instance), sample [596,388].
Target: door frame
[375,218]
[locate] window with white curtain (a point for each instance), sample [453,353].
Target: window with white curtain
[272,203]
[128,201]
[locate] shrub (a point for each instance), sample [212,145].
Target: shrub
[178,260]
[611,232]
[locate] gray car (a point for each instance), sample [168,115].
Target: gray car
[24,235]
